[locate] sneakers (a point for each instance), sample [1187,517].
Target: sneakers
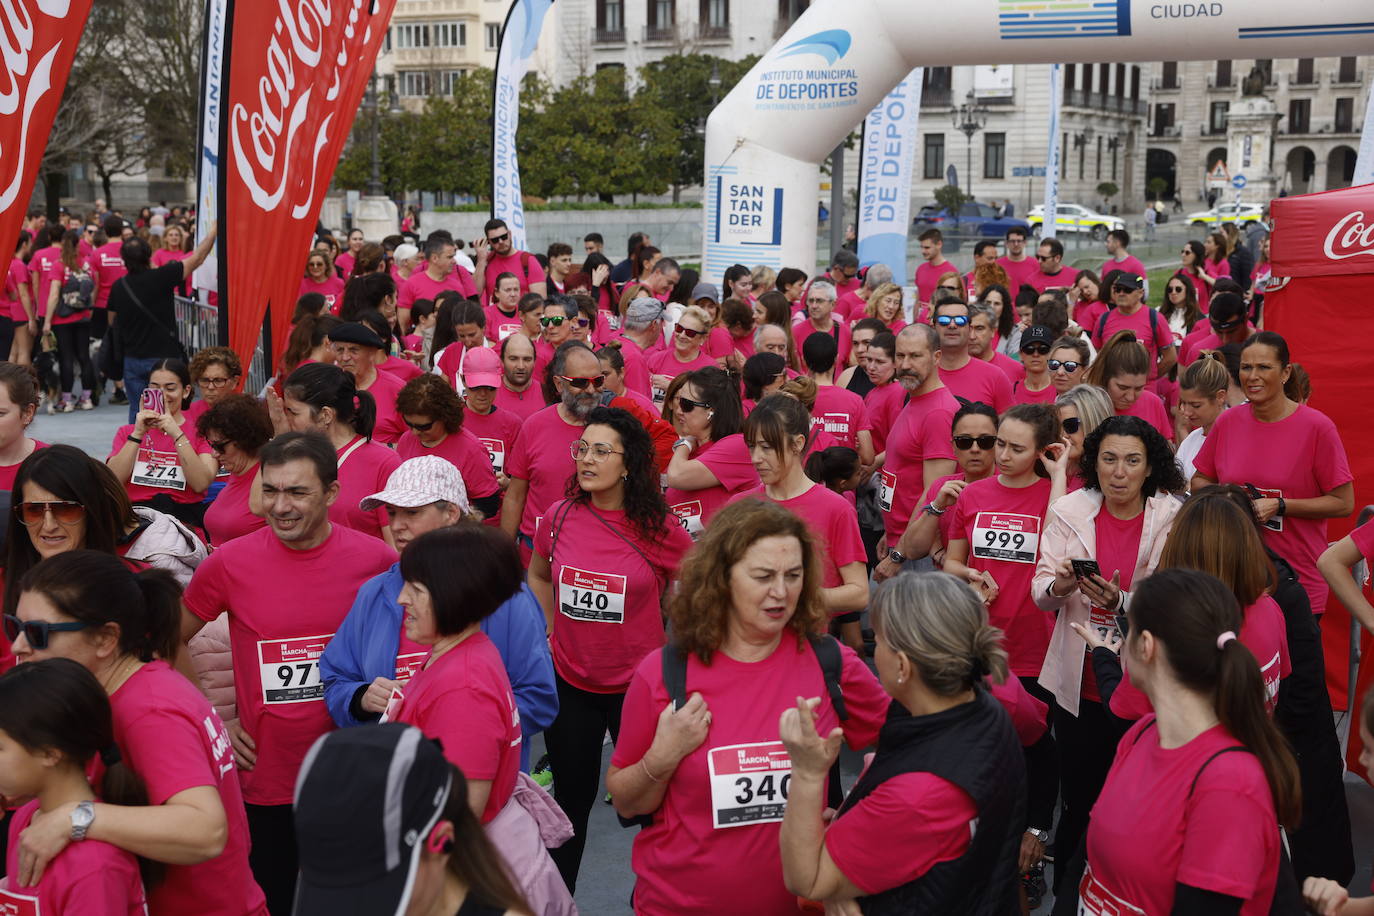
[542,773]
[85,404]
[64,407]
[119,397]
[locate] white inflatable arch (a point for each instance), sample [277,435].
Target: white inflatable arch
[765,140]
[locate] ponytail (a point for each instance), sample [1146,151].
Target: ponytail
[1122,354]
[832,466]
[321,385]
[1241,709]
[162,605]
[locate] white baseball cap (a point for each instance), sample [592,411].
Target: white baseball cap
[420,482]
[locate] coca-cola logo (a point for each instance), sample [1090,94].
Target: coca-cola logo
[22,87]
[1351,237]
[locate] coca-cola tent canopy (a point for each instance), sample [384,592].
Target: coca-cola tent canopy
[1323,245]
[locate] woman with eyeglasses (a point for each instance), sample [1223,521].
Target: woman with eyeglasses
[433,413]
[160,458]
[763,374]
[602,564]
[585,326]
[710,460]
[1180,306]
[18,406]
[1121,369]
[1068,362]
[321,278]
[1038,385]
[236,428]
[325,399]
[216,372]
[687,351]
[885,304]
[124,628]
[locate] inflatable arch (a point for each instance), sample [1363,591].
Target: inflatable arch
[766,138]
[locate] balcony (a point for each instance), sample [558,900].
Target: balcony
[608,36]
[1297,82]
[1078,98]
[1212,130]
[1320,127]
[1228,84]
[660,34]
[937,97]
[1157,84]
[713,34]
[1354,78]
[1167,131]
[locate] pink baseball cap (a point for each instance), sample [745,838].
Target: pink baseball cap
[480,368]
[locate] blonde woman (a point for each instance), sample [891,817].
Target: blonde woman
[885,304]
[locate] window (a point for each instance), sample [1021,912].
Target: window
[1064,154]
[414,83]
[1223,74]
[1299,116]
[1099,159]
[935,86]
[789,10]
[1346,73]
[660,14]
[1104,76]
[1135,84]
[412,35]
[1164,119]
[1070,74]
[994,155]
[1306,74]
[1120,89]
[1345,116]
[1168,77]
[1216,119]
[450,35]
[610,16]
[1087,77]
[935,157]
[493,35]
[715,14]
[447,80]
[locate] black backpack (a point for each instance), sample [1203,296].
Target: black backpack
[76,295]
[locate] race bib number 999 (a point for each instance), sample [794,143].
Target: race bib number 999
[290,668]
[1005,536]
[591,596]
[749,783]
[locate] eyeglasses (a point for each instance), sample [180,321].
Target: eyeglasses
[498,239]
[689,333]
[218,445]
[1072,425]
[1068,365]
[945,321]
[687,405]
[583,322]
[596,381]
[1036,349]
[1177,289]
[36,631]
[817,300]
[421,427]
[555,320]
[599,452]
[949,286]
[64,512]
[964,443]
[1046,257]
[208,382]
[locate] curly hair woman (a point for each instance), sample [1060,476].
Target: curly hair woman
[433,411]
[605,555]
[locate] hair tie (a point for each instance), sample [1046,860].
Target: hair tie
[980,668]
[110,755]
[1224,638]
[357,403]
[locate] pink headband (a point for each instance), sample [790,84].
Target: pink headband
[1224,638]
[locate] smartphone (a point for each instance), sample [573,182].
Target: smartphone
[153,400]
[1085,568]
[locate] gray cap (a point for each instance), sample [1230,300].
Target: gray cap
[705,291]
[643,312]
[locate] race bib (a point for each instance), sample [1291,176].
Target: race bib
[505,330]
[496,451]
[158,469]
[1275,522]
[13,903]
[591,596]
[887,490]
[1006,536]
[659,395]
[1104,622]
[749,783]
[408,664]
[1096,900]
[393,706]
[1269,673]
[290,668]
[689,515]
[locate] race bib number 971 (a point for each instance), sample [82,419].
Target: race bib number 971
[290,668]
[1005,536]
[749,783]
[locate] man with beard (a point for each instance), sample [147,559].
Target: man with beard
[919,450]
[517,392]
[541,463]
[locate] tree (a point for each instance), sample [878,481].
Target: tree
[951,197]
[1156,187]
[163,45]
[1107,190]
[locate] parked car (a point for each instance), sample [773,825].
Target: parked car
[1073,218]
[1226,213]
[975,220]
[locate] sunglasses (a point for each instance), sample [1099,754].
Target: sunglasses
[64,512]
[949,286]
[555,320]
[421,427]
[958,321]
[1046,257]
[964,443]
[498,239]
[1123,289]
[36,631]
[583,322]
[1036,349]
[579,450]
[1072,425]
[218,445]
[688,333]
[687,405]
[1177,289]
[1067,365]
[596,381]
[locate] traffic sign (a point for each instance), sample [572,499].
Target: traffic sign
[1028,171]
[1238,182]
[1219,176]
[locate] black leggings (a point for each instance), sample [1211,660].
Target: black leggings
[574,742]
[273,858]
[1087,744]
[74,346]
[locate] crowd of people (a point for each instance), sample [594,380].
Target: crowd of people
[1056,555]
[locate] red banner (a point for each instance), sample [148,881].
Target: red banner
[38,39]
[1324,235]
[297,72]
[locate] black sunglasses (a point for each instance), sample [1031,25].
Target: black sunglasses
[687,405]
[964,443]
[421,427]
[1036,349]
[1072,425]
[1116,288]
[1046,257]
[498,239]
[1067,365]
[36,631]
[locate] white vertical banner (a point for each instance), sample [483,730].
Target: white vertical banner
[519,36]
[1049,223]
[885,171]
[206,276]
[1364,163]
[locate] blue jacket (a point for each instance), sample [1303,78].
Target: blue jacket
[365,647]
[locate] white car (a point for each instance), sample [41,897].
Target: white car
[1226,213]
[1074,218]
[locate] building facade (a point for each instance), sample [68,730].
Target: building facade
[431,42]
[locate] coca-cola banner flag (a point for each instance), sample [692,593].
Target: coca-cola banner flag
[38,40]
[297,70]
[1324,234]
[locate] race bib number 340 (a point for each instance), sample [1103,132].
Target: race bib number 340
[591,596]
[749,783]
[1006,536]
[290,668]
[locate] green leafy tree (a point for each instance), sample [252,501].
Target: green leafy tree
[950,197]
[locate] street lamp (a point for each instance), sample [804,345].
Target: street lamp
[374,181]
[969,118]
[714,81]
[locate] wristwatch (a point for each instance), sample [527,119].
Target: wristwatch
[1042,835]
[895,556]
[684,440]
[82,818]
[932,509]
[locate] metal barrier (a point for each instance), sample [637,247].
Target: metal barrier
[198,328]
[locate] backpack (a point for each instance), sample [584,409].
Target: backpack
[76,296]
[1102,325]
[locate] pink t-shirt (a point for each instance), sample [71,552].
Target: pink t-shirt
[464,451]
[841,413]
[839,331]
[110,267]
[1019,272]
[884,404]
[718,343]
[228,516]
[832,522]
[728,459]
[90,878]
[499,325]
[1029,716]
[40,265]
[1042,281]
[384,387]
[1002,526]
[977,380]
[931,820]
[1014,370]
[920,433]
[1130,264]
[1117,549]
[1148,833]
[850,307]
[524,404]
[420,285]
[344,262]
[16,277]
[60,274]
[1299,457]
[157,469]
[364,468]
[332,289]
[402,368]
[173,739]
[943,523]
[606,592]
[10,471]
[257,578]
[517,262]
[667,362]
[542,457]
[636,368]
[1156,337]
[1150,408]
[928,277]
[1020,394]
[1087,314]
[463,699]
[704,846]
[498,432]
